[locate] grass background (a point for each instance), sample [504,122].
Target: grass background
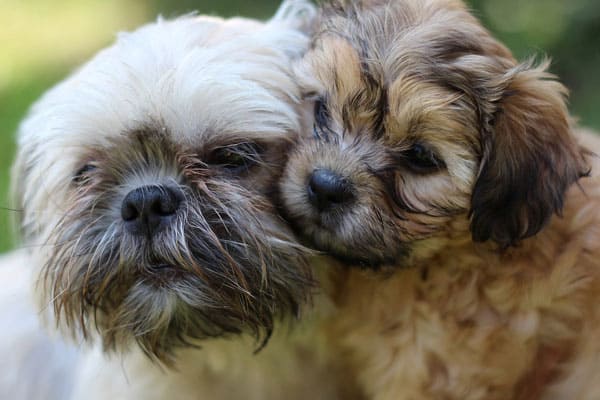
[41,41]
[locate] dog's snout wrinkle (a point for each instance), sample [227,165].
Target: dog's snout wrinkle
[326,189]
[148,209]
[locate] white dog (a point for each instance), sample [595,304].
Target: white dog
[146,181]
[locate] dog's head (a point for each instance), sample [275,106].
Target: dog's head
[145,181]
[425,129]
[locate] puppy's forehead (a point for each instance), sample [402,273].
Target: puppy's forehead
[337,65]
[383,65]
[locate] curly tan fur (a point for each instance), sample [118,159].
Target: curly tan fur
[472,215]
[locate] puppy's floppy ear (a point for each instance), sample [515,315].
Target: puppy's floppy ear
[529,160]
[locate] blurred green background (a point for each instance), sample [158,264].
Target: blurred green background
[41,41]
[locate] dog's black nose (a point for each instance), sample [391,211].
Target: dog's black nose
[327,189]
[148,209]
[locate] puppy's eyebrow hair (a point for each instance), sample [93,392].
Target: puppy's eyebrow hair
[376,96]
[375,85]
[381,111]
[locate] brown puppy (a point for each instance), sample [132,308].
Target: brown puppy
[455,174]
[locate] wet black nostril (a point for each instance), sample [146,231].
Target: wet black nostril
[129,210]
[148,209]
[166,204]
[327,189]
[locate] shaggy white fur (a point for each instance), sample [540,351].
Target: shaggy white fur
[200,79]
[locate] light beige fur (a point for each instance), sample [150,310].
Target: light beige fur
[170,103]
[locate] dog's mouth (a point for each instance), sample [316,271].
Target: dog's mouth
[326,222]
[327,234]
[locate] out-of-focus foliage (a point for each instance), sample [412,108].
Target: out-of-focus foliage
[567,31]
[41,41]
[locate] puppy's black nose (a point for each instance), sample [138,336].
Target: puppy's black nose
[326,189]
[148,209]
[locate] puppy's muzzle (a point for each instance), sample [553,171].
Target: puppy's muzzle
[149,209]
[328,190]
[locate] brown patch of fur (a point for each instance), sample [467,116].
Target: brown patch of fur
[481,323]
[546,371]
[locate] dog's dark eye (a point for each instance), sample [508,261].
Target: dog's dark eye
[422,160]
[236,158]
[321,112]
[83,174]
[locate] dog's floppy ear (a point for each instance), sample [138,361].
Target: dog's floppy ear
[529,160]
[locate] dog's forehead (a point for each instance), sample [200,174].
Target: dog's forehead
[337,66]
[226,86]
[359,91]
[196,78]
[388,64]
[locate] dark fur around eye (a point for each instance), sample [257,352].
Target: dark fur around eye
[321,112]
[321,127]
[236,158]
[83,174]
[421,159]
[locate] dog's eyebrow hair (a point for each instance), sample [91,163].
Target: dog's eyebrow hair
[377,91]
[382,108]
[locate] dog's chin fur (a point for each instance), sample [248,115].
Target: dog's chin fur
[158,108]
[459,161]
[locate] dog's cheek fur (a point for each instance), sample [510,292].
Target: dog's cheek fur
[529,159]
[238,268]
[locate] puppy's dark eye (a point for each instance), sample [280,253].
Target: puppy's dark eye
[321,128]
[421,159]
[321,112]
[236,158]
[83,174]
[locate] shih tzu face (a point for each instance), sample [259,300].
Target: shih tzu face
[146,177]
[426,131]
